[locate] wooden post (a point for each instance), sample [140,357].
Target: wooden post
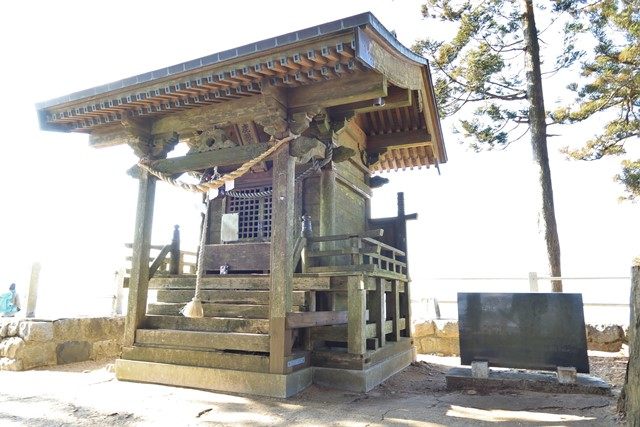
[630,397]
[378,309]
[394,308]
[357,304]
[139,281]
[116,308]
[401,241]
[533,281]
[280,291]
[174,267]
[32,293]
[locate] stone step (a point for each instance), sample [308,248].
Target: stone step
[224,296]
[239,282]
[246,311]
[195,340]
[208,324]
[206,359]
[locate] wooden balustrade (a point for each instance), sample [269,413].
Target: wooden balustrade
[362,252]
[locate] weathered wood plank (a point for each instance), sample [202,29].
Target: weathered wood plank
[368,233]
[396,98]
[207,359]
[394,310]
[377,310]
[351,88]
[208,159]
[238,256]
[411,138]
[248,311]
[232,111]
[225,296]
[315,318]
[238,281]
[357,302]
[203,340]
[207,324]
[339,333]
[139,281]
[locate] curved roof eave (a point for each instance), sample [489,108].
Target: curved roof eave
[284,40]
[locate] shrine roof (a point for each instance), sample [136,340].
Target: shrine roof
[283,40]
[314,64]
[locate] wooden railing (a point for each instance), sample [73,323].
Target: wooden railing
[355,252]
[168,259]
[161,261]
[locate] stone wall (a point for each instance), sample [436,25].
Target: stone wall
[441,337]
[27,344]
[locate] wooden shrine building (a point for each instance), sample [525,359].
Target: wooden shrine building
[322,300]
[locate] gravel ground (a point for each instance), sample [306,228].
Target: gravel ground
[87,394]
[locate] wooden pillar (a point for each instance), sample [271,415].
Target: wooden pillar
[357,304]
[139,281]
[280,291]
[401,242]
[394,308]
[175,267]
[377,312]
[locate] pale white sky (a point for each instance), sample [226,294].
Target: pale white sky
[72,207]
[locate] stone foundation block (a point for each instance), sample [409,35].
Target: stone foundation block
[567,375]
[106,349]
[73,351]
[35,355]
[11,346]
[12,328]
[479,369]
[424,329]
[605,337]
[446,329]
[7,364]
[4,327]
[36,331]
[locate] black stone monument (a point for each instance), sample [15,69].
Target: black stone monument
[523,330]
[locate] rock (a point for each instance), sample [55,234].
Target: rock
[11,346]
[89,329]
[12,328]
[439,346]
[36,331]
[7,364]
[73,351]
[3,329]
[424,329]
[446,328]
[605,337]
[106,349]
[37,354]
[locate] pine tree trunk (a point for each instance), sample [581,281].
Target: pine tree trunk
[631,392]
[538,125]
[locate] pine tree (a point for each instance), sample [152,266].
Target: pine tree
[612,91]
[489,76]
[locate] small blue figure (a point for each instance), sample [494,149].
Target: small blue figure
[9,302]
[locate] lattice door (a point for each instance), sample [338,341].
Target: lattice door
[254,222]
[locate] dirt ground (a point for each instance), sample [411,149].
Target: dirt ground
[87,394]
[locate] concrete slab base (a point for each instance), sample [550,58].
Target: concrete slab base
[365,380]
[225,380]
[462,379]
